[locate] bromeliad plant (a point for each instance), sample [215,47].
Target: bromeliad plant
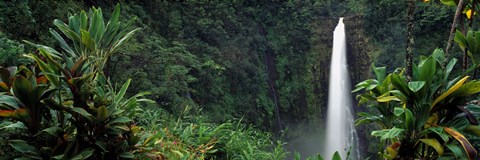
[66,102]
[423,118]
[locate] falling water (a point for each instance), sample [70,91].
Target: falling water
[340,134]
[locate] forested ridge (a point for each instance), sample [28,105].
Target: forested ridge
[263,63]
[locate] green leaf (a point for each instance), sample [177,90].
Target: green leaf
[358,89]
[380,72]
[456,150]
[468,89]
[400,84]
[387,99]
[62,43]
[366,118]
[449,68]
[83,20]
[6,74]
[84,154]
[439,132]
[336,156]
[88,41]
[460,38]
[399,95]
[122,127]
[25,148]
[18,125]
[388,133]
[120,120]
[22,89]
[123,40]
[397,111]
[50,51]
[180,154]
[127,155]
[102,113]
[473,129]
[97,25]
[82,112]
[439,55]
[296,156]
[59,156]
[9,101]
[409,119]
[473,108]
[54,131]
[449,91]
[101,144]
[47,69]
[433,143]
[427,70]
[416,85]
[121,92]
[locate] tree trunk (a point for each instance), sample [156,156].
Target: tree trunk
[410,38]
[405,151]
[458,13]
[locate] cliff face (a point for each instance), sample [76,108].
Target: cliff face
[359,61]
[319,57]
[318,68]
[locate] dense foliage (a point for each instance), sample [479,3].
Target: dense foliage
[265,62]
[436,115]
[252,55]
[425,114]
[63,106]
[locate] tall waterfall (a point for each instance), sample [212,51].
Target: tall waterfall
[340,133]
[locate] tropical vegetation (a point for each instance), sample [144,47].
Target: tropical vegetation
[233,80]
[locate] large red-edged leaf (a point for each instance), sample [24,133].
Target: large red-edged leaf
[77,66]
[20,113]
[16,114]
[6,113]
[469,149]
[22,88]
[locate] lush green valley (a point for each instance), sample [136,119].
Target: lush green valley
[234,79]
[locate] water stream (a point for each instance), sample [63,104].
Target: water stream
[341,135]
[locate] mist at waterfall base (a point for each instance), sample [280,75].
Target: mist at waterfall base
[339,134]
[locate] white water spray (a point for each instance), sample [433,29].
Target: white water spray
[340,134]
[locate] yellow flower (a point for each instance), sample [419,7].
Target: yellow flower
[469,13]
[426,1]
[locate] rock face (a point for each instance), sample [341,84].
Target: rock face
[319,57]
[359,61]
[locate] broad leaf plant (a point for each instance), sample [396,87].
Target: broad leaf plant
[68,106]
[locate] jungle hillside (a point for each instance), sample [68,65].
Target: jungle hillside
[240,79]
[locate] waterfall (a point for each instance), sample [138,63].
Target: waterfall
[340,133]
